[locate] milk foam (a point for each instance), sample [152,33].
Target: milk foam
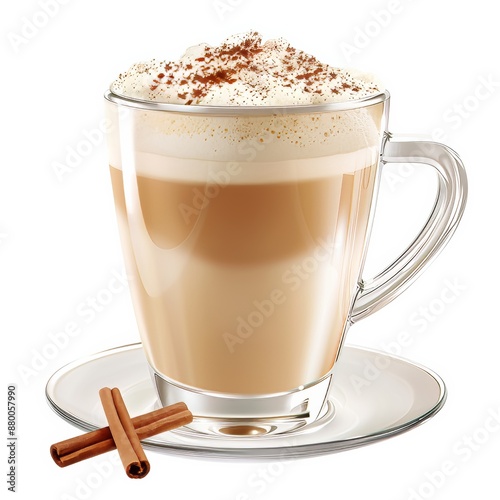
[243,139]
[244,71]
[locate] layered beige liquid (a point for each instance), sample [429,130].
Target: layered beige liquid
[243,281]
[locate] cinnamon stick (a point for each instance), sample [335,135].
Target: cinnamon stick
[124,435]
[91,444]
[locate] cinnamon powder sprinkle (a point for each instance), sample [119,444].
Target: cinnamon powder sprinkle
[241,71]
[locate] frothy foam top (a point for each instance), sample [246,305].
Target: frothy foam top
[244,71]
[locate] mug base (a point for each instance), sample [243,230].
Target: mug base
[249,416]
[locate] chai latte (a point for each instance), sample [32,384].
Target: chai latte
[245,233]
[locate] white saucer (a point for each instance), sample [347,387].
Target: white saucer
[375,396]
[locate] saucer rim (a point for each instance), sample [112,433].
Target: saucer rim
[293,451]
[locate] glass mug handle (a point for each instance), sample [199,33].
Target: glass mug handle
[441,224]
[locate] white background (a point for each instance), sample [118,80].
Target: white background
[59,242]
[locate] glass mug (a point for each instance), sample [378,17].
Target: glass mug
[245,230]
